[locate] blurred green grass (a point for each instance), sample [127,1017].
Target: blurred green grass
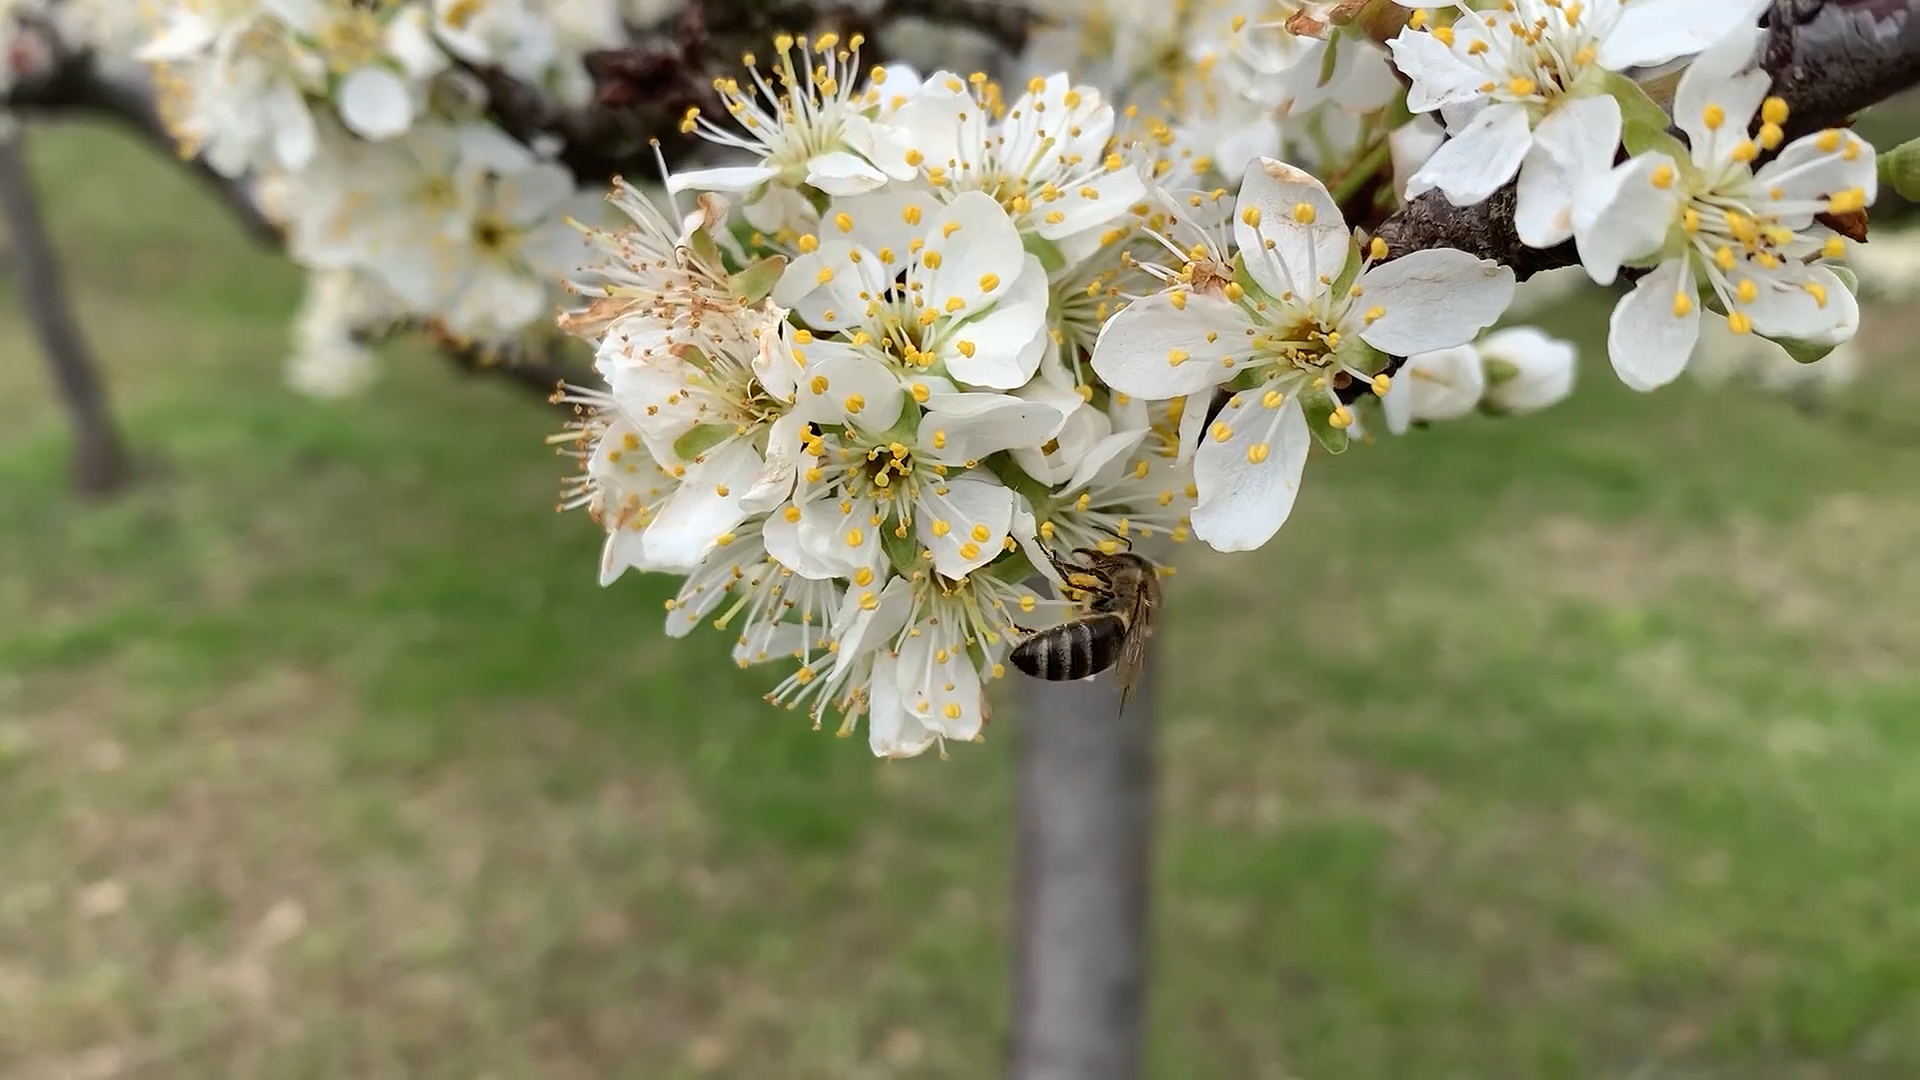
[1583,745]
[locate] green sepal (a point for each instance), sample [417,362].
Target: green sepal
[1637,108]
[1900,170]
[1319,409]
[1351,274]
[1804,352]
[1330,60]
[902,551]
[701,439]
[1498,371]
[752,285]
[1045,250]
[704,248]
[1245,281]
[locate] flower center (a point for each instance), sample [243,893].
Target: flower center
[352,39]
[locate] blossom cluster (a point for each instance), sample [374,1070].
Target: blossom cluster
[900,342]
[1532,92]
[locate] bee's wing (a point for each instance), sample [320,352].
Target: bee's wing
[1133,653]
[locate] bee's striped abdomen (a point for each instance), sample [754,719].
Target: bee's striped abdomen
[1073,650]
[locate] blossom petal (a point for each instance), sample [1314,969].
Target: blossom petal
[1439,76]
[1804,172]
[1653,32]
[1432,299]
[1573,144]
[834,287]
[738,179]
[1721,83]
[1289,231]
[1156,348]
[1647,341]
[850,387]
[964,522]
[1540,369]
[1445,384]
[778,472]
[960,429]
[841,173]
[375,103]
[973,253]
[940,685]
[706,508]
[1001,349]
[892,731]
[1625,215]
[1814,306]
[1479,158]
[1243,502]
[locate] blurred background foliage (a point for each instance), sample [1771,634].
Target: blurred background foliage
[1582,745]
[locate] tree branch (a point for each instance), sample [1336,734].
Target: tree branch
[100,462]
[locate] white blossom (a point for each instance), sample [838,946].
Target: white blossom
[1523,89]
[1701,216]
[1313,317]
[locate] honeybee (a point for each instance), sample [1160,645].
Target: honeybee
[1118,593]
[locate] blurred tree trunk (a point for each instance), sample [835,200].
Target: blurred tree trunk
[100,463]
[1083,873]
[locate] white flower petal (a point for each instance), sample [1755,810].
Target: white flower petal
[960,429]
[1154,349]
[737,179]
[1243,502]
[1805,172]
[850,388]
[1439,77]
[375,103]
[1788,308]
[1445,384]
[1653,32]
[1648,343]
[1543,368]
[1573,145]
[706,508]
[775,483]
[892,731]
[939,684]
[1007,342]
[1432,299]
[841,173]
[1479,158]
[1721,79]
[978,250]
[1624,215]
[965,522]
[1283,253]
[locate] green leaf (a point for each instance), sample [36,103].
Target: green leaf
[1320,408]
[1044,250]
[701,439]
[754,283]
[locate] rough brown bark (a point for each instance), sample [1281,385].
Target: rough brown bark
[100,463]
